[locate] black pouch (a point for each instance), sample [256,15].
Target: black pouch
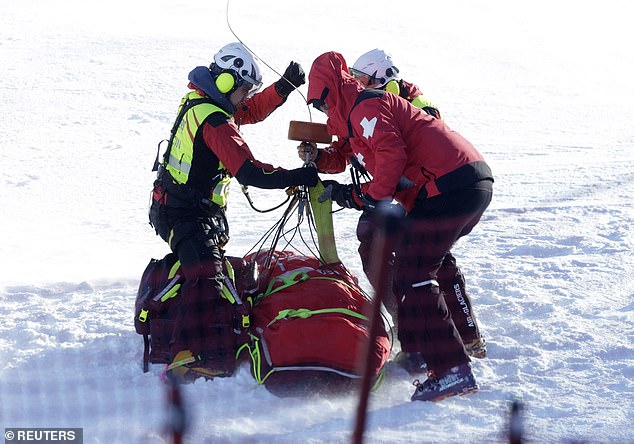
[156,307]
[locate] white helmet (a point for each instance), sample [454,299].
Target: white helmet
[374,69]
[236,57]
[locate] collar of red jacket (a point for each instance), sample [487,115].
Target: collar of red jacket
[329,74]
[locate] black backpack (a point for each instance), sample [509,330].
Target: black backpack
[155,308]
[157,304]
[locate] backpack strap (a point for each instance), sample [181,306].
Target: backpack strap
[363,95]
[146,353]
[258,362]
[357,171]
[187,105]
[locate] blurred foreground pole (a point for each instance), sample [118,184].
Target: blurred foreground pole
[176,421]
[388,219]
[516,429]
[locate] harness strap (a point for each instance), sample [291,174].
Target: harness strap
[189,103]
[155,167]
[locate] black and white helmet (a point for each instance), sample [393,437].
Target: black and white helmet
[236,57]
[374,69]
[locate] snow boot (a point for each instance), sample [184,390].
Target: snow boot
[186,368]
[457,380]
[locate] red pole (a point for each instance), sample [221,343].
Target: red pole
[176,416]
[387,218]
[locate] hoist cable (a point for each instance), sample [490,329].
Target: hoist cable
[310,116]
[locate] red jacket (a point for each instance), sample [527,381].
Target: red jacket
[334,158]
[395,141]
[225,140]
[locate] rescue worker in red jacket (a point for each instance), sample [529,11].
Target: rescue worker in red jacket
[441,181]
[375,69]
[189,197]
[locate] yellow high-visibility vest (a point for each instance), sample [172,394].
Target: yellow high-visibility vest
[181,153]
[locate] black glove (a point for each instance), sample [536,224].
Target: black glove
[386,208]
[304,176]
[369,203]
[344,195]
[432,111]
[293,77]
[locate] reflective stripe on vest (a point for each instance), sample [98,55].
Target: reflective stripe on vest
[179,163]
[221,191]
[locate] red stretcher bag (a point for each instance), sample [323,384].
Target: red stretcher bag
[309,327]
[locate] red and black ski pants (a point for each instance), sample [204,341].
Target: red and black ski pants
[422,259]
[431,229]
[449,276]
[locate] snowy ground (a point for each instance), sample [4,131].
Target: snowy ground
[544,89]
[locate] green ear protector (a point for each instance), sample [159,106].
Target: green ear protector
[228,79]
